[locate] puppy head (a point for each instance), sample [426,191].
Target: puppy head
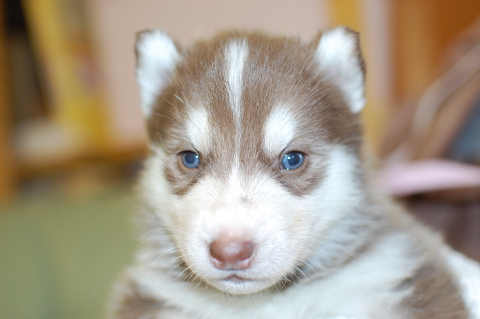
[255,146]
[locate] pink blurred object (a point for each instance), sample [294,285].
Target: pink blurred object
[428,176]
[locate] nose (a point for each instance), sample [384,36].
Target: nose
[231,254]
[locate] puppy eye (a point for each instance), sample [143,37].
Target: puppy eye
[292,160]
[190,159]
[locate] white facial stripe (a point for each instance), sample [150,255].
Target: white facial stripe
[279,130]
[157,57]
[234,184]
[236,54]
[198,129]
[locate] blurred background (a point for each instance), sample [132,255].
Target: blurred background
[72,135]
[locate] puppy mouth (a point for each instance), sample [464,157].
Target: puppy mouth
[236,279]
[235,284]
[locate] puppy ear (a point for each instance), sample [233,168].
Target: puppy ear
[157,57]
[339,57]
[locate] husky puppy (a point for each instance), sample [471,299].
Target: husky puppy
[256,202]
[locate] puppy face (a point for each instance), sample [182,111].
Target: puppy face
[255,144]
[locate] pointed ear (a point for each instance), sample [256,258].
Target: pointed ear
[157,57]
[339,57]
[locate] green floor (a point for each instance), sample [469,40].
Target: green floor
[59,257]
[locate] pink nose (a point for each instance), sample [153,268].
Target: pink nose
[231,254]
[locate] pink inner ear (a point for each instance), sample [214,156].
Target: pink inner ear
[427,176]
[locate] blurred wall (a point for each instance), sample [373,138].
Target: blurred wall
[117,21]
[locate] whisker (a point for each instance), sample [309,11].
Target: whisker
[173,105]
[186,268]
[172,261]
[158,114]
[162,228]
[172,250]
[199,283]
[149,239]
[300,271]
[308,266]
[179,98]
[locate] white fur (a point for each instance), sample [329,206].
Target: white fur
[214,205]
[334,232]
[156,191]
[269,219]
[279,130]
[198,129]
[157,58]
[360,289]
[236,54]
[346,293]
[340,190]
[336,56]
[467,273]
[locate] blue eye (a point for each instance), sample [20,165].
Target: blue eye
[292,160]
[190,159]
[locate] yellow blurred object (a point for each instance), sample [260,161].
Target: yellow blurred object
[375,114]
[60,33]
[7,174]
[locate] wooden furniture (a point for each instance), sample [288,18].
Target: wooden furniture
[7,167]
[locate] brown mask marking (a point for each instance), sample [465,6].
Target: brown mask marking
[278,70]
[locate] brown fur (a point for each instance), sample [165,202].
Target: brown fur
[434,295]
[433,291]
[135,303]
[277,70]
[283,71]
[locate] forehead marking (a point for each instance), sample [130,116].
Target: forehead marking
[236,54]
[198,129]
[237,51]
[279,130]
